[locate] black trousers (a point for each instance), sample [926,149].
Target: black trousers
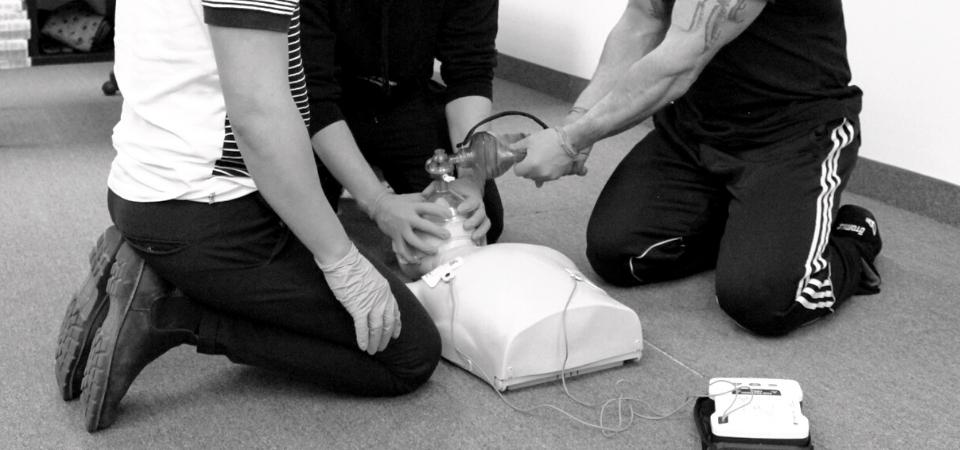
[762,217]
[263,300]
[397,135]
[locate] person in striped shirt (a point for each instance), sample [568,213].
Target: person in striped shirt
[222,236]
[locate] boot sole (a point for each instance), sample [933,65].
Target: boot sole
[96,377]
[85,314]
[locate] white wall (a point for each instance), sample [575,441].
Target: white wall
[906,59]
[564,35]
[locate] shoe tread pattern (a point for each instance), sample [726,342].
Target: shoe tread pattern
[84,314]
[96,377]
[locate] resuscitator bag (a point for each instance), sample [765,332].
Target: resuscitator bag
[516,314]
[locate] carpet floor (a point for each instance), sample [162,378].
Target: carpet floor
[880,373]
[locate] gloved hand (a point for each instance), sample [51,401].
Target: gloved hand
[399,216]
[366,295]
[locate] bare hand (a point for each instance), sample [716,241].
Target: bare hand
[401,216]
[472,207]
[545,160]
[579,163]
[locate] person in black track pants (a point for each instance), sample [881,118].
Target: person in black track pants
[756,132]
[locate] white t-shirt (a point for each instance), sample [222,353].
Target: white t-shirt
[174,140]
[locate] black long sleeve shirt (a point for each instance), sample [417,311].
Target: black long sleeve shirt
[344,40]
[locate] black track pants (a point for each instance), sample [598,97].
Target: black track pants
[762,217]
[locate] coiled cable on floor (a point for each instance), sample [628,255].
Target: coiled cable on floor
[624,404]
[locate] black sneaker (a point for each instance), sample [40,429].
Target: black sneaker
[84,316]
[860,225]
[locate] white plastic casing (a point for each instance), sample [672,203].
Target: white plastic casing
[505,319]
[758,408]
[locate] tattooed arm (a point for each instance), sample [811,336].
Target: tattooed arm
[697,30]
[640,29]
[653,55]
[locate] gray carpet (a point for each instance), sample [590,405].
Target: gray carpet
[882,373]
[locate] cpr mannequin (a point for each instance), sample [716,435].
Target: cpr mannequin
[515,314]
[512,314]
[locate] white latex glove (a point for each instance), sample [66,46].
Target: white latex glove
[366,295]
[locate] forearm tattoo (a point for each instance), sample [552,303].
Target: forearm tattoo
[697,17]
[720,12]
[735,12]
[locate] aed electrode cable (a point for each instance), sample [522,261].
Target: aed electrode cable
[621,401]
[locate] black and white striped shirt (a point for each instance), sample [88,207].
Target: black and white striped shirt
[174,140]
[231,163]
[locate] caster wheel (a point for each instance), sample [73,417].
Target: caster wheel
[109,88]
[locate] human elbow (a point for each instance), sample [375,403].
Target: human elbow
[682,83]
[253,119]
[684,55]
[678,71]
[681,79]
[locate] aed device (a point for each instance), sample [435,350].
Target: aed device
[752,413]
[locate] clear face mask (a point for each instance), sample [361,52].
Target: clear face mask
[484,153]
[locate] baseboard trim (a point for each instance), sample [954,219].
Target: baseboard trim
[898,187]
[544,79]
[907,190]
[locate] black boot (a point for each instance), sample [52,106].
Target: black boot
[860,226]
[129,338]
[84,315]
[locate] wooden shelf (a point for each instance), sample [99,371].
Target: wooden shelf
[70,58]
[38,58]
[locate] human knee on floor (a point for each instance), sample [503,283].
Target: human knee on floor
[420,365]
[753,308]
[612,268]
[764,323]
[660,261]
[605,252]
